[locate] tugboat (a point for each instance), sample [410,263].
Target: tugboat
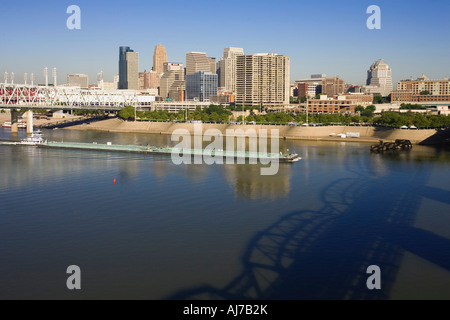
[34,139]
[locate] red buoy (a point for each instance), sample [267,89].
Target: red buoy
[114,181]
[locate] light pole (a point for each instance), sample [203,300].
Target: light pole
[307,105]
[243,110]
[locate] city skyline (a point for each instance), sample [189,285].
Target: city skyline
[338,42]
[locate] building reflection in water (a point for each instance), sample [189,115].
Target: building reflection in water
[248,182]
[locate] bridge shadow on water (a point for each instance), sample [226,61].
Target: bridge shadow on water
[324,254]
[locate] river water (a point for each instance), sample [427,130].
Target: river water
[222,231]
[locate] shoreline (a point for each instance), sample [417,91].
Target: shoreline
[368,134]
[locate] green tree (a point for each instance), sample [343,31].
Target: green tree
[359,108]
[369,111]
[425,93]
[127,113]
[214,117]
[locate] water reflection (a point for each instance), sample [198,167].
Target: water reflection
[366,219]
[250,184]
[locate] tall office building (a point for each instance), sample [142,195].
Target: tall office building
[212,65]
[77,80]
[227,68]
[128,69]
[172,81]
[333,86]
[148,80]
[263,79]
[159,58]
[379,78]
[201,85]
[196,62]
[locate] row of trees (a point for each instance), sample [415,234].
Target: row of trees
[219,114]
[395,119]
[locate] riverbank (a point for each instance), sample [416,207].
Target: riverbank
[366,134]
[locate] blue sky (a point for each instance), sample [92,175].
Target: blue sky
[325,36]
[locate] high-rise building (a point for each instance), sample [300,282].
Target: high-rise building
[196,62]
[148,80]
[227,68]
[379,78]
[212,65]
[159,58]
[201,85]
[333,86]
[128,69]
[172,81]
[263,79]
[77,80]
[133,70]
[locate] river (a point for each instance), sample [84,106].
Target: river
[166,231]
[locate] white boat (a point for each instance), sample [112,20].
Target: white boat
[34,139]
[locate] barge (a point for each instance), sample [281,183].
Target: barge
[291,157]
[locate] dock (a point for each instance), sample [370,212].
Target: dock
[399,144]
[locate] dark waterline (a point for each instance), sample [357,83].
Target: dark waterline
[222,231]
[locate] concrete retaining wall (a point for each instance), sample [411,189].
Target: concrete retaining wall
[368,134]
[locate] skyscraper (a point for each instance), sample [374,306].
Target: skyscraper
[159,58]
[201,85]
[212,64]
[227,68]
[196,62]
[379,78]
[128,69]
[171,81]
[148,80]
[263,79]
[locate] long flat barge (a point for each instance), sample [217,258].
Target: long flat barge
[292,157]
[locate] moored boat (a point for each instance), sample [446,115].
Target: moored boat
[20,125]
